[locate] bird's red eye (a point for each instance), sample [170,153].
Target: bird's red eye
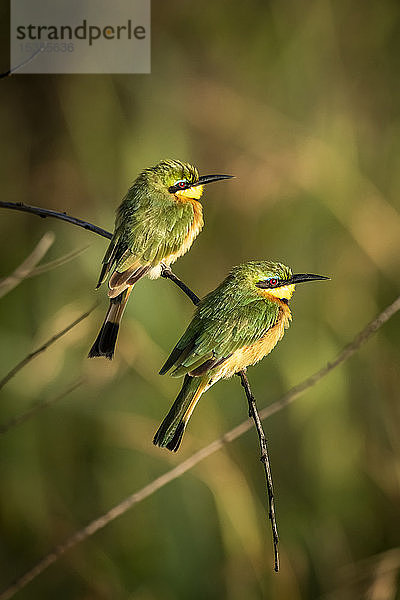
[181,184]
[273,282]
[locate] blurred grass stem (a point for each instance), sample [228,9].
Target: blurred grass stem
[35,408]
[26,268]
[44,347]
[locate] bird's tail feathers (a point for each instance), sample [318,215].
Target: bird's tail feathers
[171,430]
[106,340]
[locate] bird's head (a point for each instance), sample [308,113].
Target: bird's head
[272,280]
[181,179]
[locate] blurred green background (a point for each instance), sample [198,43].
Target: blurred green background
[300,100]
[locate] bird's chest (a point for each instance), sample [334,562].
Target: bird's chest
[195,227]
[250,355]
[187,230]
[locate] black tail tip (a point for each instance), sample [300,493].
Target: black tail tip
[94,352]
[162,440]
[105,341]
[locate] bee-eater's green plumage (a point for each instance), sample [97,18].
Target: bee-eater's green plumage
[234,326]
[150,224]
[156,223]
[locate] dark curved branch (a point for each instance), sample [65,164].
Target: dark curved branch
[62,216]
[22,64]
[253,413]
[168,274]
[54,214]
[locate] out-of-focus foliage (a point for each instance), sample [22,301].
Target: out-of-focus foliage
[300,100]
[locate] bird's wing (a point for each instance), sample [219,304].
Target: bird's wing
[212,337]
[147,231]
[119,281]
[155,231]
[108,260]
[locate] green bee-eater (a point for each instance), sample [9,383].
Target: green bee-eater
[234,326]
[156,223]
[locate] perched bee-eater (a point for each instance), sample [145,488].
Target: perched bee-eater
[156,223]
[234,326]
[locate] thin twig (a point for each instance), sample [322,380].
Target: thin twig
[44,347]
[168,274]
[44,212]
[22,64]
[26,268]
[189,463]
[37,407]
[253,413]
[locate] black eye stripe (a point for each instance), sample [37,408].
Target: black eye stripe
[178,185]
[270,283]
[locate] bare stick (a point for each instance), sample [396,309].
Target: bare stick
[26,268]
[44,212]
[168,274]
[42,348]
[253,413]
[22,64]
[189,463]
[37,407]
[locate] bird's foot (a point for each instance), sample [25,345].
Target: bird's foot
[165,270]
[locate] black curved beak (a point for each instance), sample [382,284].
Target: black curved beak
[301,277]
[210,179]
